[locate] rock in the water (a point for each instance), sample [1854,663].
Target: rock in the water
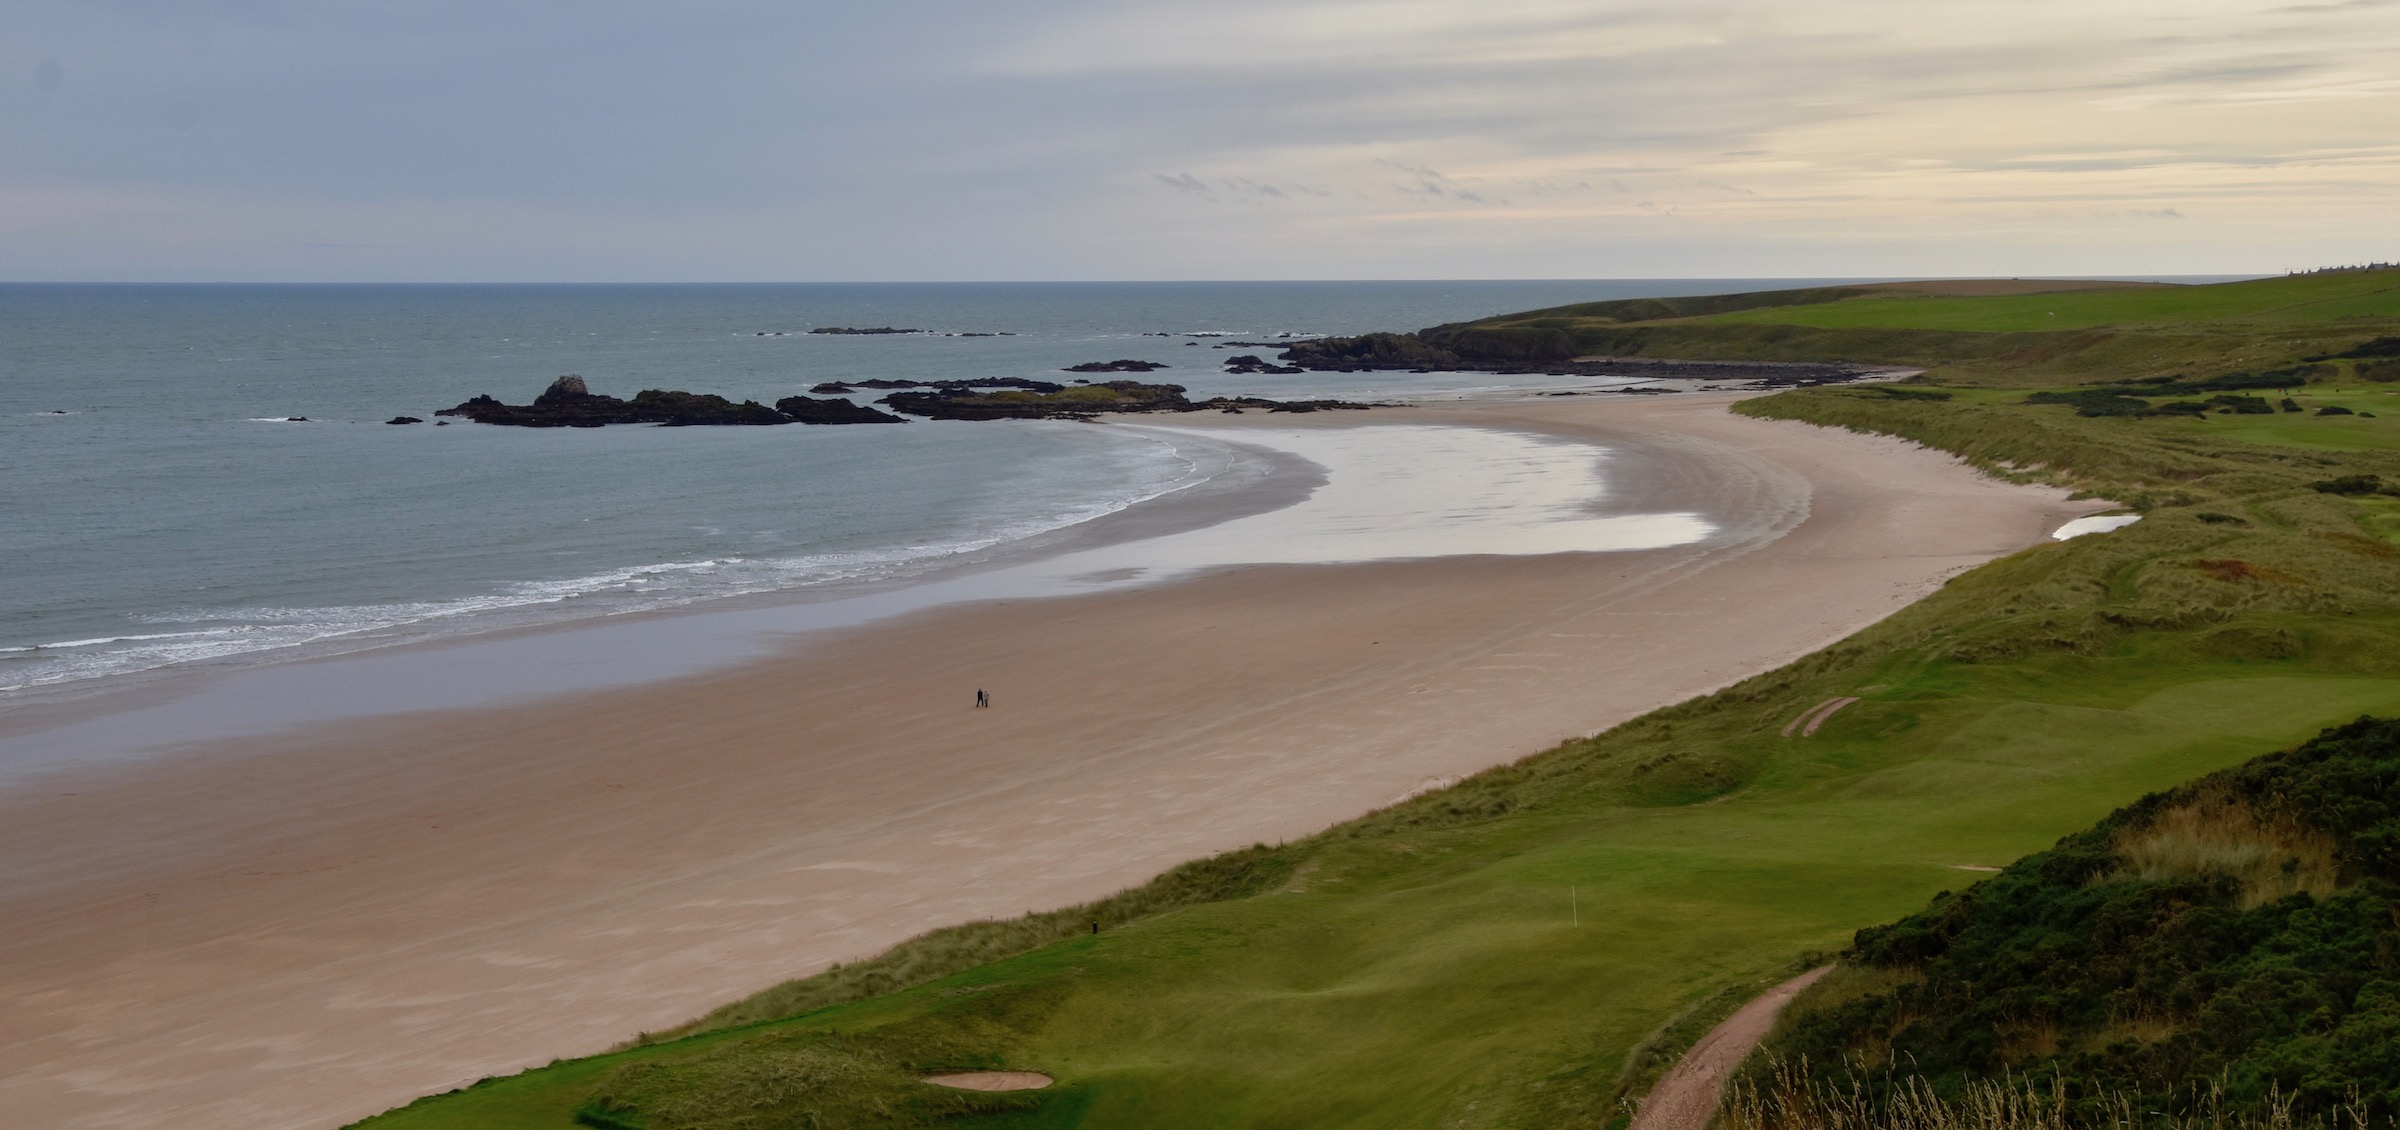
[404,420]
[1250,363]
[1121,365]
[568,403]
[1086,402]
[835,411]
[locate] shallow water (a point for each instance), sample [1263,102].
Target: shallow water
[1375,492]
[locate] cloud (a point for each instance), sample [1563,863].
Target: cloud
[943,138]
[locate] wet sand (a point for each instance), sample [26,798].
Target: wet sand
[306,929]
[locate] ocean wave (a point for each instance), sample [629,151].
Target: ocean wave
[201,635]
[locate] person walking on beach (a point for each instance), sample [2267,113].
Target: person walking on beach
[982,699]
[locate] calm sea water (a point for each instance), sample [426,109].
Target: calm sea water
[158,512]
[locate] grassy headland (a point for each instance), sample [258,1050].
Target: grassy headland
[1531,946]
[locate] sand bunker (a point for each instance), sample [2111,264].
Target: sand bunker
[2097,524]
[1815,716]
[992,1081]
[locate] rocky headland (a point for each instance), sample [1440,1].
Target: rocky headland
[1468,349]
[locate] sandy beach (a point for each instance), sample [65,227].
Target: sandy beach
[304,929]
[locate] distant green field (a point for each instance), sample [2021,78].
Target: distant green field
[1530,947]
[2064,337]
[2295,300]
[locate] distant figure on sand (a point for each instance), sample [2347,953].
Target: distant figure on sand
[982,699]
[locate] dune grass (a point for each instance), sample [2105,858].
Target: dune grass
[1530,947]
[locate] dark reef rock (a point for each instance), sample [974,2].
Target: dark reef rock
[693,409]
[870,331]
[404,420]
[984,382]
[809,411]
[568,403]
[1251,363]
[1085,402]
[1120,365]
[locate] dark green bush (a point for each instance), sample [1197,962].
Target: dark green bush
[2242,931]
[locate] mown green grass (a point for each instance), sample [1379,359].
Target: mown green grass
[1440,977]
[1526,948]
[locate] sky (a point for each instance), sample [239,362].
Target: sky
[744,140]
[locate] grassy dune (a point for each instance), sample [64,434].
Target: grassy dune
[1530,947]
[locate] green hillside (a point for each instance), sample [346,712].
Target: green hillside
[1529,947]
[2017,340]
[2298,300]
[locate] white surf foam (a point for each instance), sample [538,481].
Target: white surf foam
[210,634]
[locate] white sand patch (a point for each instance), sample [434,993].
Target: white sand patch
[992,1080]
[2096,524]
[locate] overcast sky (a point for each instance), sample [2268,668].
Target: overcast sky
[1129,139]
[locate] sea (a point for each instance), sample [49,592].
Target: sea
[202,475]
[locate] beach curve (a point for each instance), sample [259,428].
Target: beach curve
[321,925]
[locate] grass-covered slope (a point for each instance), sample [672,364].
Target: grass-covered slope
[2239,934]
[1529,947]
[2045,336]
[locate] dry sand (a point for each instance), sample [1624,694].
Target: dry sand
[303,931]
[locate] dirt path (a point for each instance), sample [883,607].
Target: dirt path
[1687,1098]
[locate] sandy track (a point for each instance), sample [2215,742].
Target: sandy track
[1689,1094]
[297,932]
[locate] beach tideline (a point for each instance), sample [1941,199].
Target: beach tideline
[324,923]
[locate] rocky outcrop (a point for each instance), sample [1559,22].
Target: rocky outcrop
[857,331]
[1370,352]
[1086,402]
[404,420]
[1121,365]
[836,411]
[1252,363]
[984,382]
[568,403]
